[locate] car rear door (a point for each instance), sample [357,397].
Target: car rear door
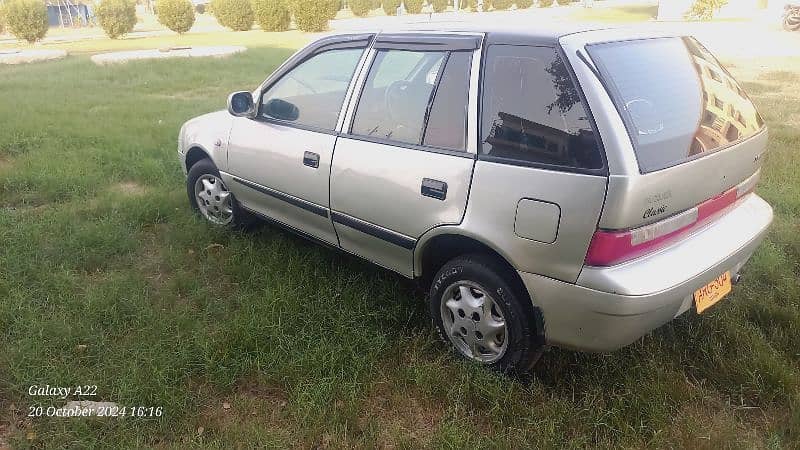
[279,162]
[404,161]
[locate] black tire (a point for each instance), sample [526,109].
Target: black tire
[241,217]
[523,325]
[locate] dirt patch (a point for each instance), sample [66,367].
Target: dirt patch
[5,163]
[400,414]
[129,188]
[250,402]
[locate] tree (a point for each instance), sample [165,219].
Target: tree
[313,15]
[413,6]
[116,17]
[26,19]
[234,14]
[390,7]
[177,15]
[360,7]
[439,5]
[705,9]
[272,15]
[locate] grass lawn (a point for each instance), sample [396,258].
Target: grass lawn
[264,339]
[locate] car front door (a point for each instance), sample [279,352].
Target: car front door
[279,162]
[404,163]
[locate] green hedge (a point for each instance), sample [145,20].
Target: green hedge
[272,15]
[390,7]
[313,15]
[236,15]
[116,17]
[177,15]
[439,5]
[361,7]
[501,5]
[546,3]
[413,6]
[524,4]
[25,19]
[564,2]
[705,9]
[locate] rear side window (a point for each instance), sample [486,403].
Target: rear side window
[447,122]
[532,112]
[678,103]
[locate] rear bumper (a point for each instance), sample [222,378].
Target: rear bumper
[611,307]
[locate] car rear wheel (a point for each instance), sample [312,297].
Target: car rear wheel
[209,196]
[483,315]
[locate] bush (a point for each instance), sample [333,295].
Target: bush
[564,2]
[313,15]
[361,7]
[390,7]
[705,9]
[439,5]
[26,19]
[234,14]
[116,17]
[177,15]
[546,3]
[272,15]
[524,4]
[471,5]
[413,6]
[501,5]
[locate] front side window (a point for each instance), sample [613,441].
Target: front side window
[312,93]
[678,103]
[396,94]
[532,111]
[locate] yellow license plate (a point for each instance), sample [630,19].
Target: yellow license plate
[712,292]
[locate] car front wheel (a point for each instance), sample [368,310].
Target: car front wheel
[209,196]
[483,315]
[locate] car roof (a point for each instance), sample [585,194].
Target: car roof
[521,35]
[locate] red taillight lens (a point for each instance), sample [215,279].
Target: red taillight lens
[609,247]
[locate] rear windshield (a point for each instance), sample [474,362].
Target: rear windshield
[678,103]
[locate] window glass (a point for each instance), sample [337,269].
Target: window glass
[312,93]
[396,95]
[532,111]
[676,100]
[447,121]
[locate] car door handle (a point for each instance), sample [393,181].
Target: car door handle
[434,188]
[311,159]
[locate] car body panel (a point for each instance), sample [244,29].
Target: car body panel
[627,301]
[366,198]
[208,133]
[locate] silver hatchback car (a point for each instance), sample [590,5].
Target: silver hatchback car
[575,188]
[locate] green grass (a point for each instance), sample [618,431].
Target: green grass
[308,346]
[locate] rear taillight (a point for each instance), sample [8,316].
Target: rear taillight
[609,247]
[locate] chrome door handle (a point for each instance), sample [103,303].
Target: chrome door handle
[434,188]
[311,159]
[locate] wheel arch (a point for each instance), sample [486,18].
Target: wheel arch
[195,154]
[445,245]
[435,251]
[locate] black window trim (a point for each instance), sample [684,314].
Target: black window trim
[347,129]
[339,42]
[426,42]
[601,171]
